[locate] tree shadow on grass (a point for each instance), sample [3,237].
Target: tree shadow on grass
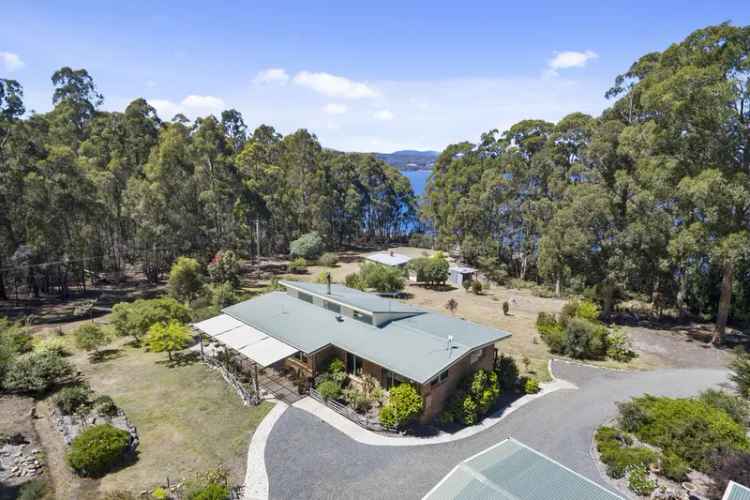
[105,355]
[180,359]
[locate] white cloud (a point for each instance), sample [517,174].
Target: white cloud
[569,59]
[335,109]
[11,61]
[334,86]
[383,114]
[191,106]
[272,75]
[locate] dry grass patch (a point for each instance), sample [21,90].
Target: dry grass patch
[188,419]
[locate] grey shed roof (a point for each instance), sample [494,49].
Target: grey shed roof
[354,298]
[736,491]
[415,347]
[510,470]
[389,259]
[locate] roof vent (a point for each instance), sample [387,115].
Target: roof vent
[339,318]
[450,342]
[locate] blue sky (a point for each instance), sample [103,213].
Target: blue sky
[363,76]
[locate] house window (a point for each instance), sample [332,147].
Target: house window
[332,307]
[475,356]
[364,318]
[306,297]
[353,364]
[391,379]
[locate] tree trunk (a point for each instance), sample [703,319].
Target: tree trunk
[724,302]
[608,299]
[169,354]
[682,296]
[3,294]
[557,285]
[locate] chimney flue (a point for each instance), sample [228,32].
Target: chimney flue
[328,283]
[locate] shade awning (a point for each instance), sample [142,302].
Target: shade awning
[245,339]
[268,351]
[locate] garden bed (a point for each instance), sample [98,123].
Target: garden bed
[662,447]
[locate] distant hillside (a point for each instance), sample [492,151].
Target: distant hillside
[410,160]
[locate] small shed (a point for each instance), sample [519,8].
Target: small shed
[460,274]
[389,259]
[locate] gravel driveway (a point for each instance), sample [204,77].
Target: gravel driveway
[306,458]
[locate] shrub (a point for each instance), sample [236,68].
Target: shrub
[617,454]
[136,318]
[160,493]
[474,397]
[740,368]
[90,337]
[354,280]
[209,485]
[431,270]
[33,490]
[585,339]
[476,287]
[734,406]
[507,371]
[297,265]
[732,467]
[329,259]
[221,295]
[322,277]
[531,385]
[357,399]
[173,336]
[691,429]
[36,372]
[104,405]
[506,308]
[639,481]
[97,449]
[336,365]
[329,389]
[308,246]
[212,491]
[72,398]
[586,309]
[384,279]
[619,346]
[185,281]
[225,268]
[674,468]
[55,345]
[552,332]
[466,284]
[404,406]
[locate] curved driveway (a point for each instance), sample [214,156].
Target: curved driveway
[307,458]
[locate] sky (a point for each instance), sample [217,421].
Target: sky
[363,76]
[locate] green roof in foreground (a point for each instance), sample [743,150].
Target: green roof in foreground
[415,347]
[736,491]
[510,470]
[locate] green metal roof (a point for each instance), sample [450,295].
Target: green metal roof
[355,298]
[511,470]
[415,347]
[736,491]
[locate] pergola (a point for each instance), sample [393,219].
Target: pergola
[251,343]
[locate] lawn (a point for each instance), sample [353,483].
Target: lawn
[187,418]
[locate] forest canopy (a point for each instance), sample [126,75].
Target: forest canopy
[84,190]
[652,197]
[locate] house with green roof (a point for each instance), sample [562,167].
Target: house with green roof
[510,470]
[308,324]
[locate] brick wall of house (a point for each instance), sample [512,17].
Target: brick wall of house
[437,396]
